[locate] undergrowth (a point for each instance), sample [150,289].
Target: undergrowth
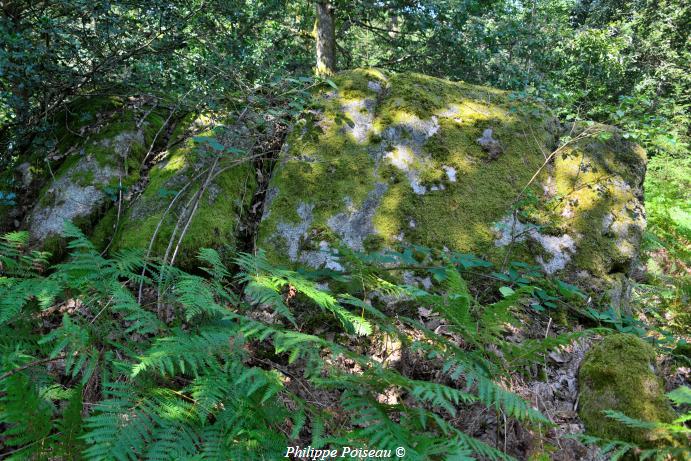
[226,365]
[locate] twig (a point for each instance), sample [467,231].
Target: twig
[29,365]
[584,134]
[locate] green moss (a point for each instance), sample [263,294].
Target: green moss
[617,374]
[355,84]
[216,221]
[596,178]
[80,114]
[418,128]
[342,167]
[105,229]
[106,160]
[66,133]
[84,177]
[340,174]
[373,242]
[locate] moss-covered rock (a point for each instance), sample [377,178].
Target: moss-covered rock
[87,181]
[177,180]
[618,374]
[69,131]
[389,159]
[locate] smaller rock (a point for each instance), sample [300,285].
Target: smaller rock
[618,374]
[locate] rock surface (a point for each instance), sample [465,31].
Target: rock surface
[619,374]
[392,159]
[184,184]
[88,180]
[385,160]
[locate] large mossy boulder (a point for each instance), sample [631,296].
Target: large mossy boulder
[619,374]
[203,188]
[98,155]
[393,159]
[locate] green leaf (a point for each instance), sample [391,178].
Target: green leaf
[506,291]
[680,396]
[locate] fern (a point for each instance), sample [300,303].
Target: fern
[186,353]
[440,396]
[16,259]
[26,415]
[71,427]
[375,425]
[122,426]
[265,284]
[218,383]
[196,296]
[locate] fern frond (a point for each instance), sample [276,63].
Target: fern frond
[439,395]
[681,395]
[122,426]
[140,320]
[186,352]
[263,290]
[197,297]
[25,416]
[217,270]
[375,426]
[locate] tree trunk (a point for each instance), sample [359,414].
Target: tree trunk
[326,38]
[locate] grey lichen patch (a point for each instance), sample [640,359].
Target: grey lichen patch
[450,172]
[374,86]
[354,225]
[560,248]
[271,193]
[403,157]
[326,257]
[359,115]
[66,199]
[292,234]
[408,136]
[121,144]
[491,145]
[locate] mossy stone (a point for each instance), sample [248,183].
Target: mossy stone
[85,184]
[217,218]
[393,159]
[618,374]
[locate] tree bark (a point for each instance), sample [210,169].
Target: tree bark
[326,38]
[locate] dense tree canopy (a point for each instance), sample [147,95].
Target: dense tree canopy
[620,62]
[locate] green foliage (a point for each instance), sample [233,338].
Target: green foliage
[665,295]
[25,413]
[210,384]
[212,367]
